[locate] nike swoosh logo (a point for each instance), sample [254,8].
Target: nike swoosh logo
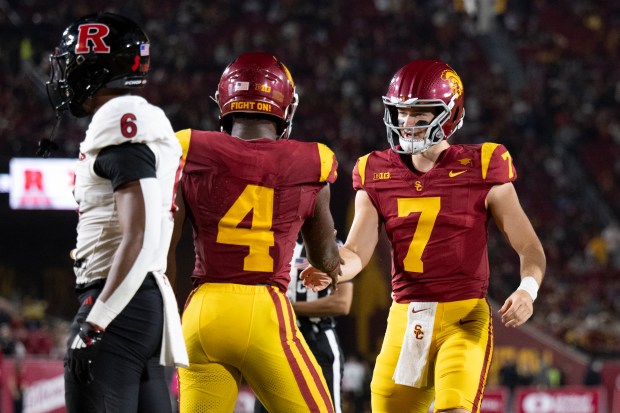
[452,174]
[461,322]
[413,311]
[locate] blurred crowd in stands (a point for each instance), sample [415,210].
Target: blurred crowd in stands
[27,330]
[540,76]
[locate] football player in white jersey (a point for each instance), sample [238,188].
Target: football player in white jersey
[127,327]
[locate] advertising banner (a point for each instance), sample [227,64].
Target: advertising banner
[41,382]
[573,399]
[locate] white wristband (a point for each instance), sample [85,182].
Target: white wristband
[101,314]
[530,285]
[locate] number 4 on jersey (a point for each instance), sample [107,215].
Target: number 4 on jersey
[259,237]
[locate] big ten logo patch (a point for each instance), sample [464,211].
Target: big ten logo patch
[381,176]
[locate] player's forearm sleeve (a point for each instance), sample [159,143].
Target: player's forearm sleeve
[102,312]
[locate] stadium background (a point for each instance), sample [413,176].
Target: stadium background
[540,76]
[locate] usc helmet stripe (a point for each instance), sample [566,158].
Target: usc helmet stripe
[288,73]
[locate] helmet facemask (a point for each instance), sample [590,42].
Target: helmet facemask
[72,81]
[58,90]
[287,124]
[396,130]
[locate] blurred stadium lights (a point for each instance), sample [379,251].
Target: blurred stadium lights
[5,183]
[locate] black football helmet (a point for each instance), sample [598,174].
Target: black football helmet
[99,50]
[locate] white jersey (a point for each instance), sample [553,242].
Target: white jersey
[120,120]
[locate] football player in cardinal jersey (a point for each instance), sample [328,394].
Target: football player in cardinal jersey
[435,201]
[128,326]
[248,191]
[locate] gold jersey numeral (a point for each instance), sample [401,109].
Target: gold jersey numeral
[428,209]
[259,237]
[506,156]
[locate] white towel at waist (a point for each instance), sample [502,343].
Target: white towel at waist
[173,351]
[412,367]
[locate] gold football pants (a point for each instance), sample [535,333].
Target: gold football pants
[459,356]
[236,332]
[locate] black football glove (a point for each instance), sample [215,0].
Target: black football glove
[46,147]
[82,352]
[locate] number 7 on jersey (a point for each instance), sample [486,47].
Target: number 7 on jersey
[428,209]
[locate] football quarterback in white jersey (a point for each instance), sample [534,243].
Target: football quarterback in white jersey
[127,327]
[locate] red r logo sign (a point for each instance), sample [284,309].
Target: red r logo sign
[90,38]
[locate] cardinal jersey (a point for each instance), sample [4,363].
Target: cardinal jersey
[248,201]
[122,120]
[436,221]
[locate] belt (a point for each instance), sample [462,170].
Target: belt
[98,284]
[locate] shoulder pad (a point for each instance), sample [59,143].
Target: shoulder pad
[329,164]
